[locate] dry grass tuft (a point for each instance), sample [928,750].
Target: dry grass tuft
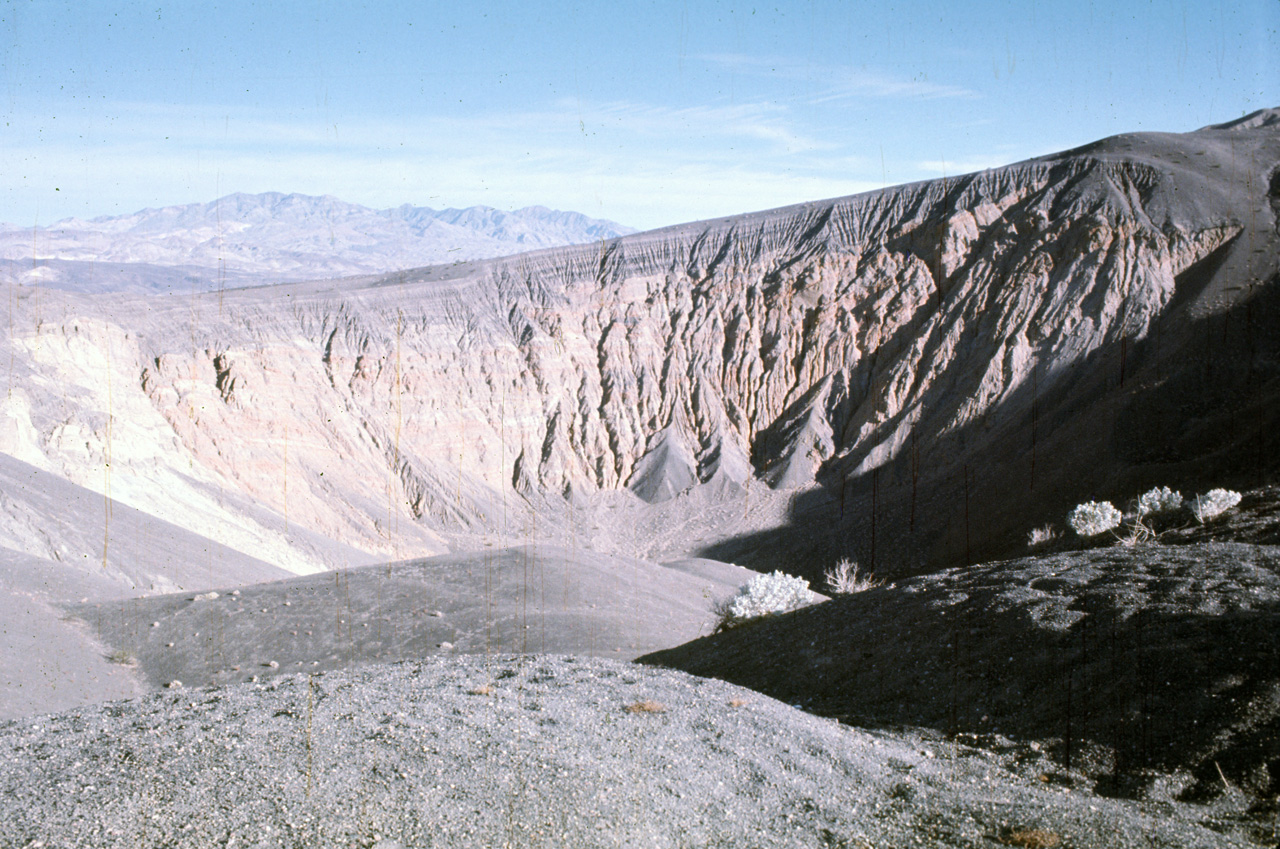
[1137,533]
[646,706]
[122,657]
[843,579]
[1030,838]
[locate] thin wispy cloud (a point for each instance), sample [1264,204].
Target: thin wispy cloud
[109,109]
[213,126]
[632,162]
[852,83]
[838,82]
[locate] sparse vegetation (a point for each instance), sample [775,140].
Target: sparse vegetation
[1213,503]
[843,578]
[1136,533]
[1159,500]
[1155,511]
[1041,535]
[1093,518]
[122,657]
[763,595]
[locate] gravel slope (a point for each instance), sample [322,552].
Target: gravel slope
[529,751]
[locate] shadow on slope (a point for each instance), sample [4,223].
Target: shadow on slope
[1195,404]
[50,517]
[529,599]
[60,544]
[1125,659]
[46,664]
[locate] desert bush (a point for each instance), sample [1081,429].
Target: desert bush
[1093,517]
[762,595]
[122,657]
[1039,536]
[1159,500]
[843,578]
[1213,503]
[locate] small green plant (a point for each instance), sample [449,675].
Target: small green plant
[1093,518]
[843,578]
[122,657]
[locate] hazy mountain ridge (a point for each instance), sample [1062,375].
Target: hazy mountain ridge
[242,239]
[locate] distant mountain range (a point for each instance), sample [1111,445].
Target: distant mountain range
[244,239]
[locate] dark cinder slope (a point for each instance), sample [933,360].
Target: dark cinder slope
[526,599]
[1128,662]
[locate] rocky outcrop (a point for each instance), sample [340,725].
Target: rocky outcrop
[925,371]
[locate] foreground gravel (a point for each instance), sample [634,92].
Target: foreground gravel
[530,751]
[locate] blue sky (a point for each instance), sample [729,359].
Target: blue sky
[649,114]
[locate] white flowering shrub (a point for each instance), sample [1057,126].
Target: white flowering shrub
[762,595]
[1159,500]
[1094,517]
[1213,503]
